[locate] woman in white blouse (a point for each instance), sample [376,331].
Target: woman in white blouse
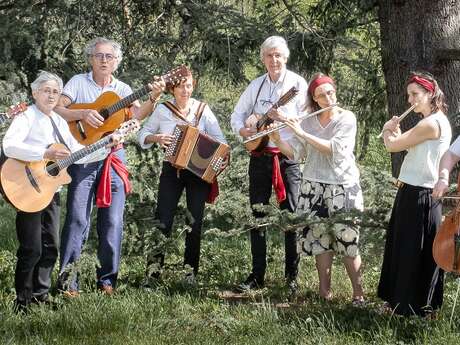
[28,139]
[158,129]
[330,182]
[410,282]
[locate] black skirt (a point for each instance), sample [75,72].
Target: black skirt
[410,281]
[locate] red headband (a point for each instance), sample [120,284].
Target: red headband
[320,81]
[425,83]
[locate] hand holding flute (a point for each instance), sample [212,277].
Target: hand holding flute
[393,123]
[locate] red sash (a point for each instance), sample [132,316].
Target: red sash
[213,192]
[104,190]
[277,178]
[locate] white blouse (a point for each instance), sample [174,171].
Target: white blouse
[163,121]
[421,164]
[31,132]
[338,168]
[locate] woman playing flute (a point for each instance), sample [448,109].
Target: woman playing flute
[330,182]
[410,283]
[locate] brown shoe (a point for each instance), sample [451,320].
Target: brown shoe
[106,290]
[70,293]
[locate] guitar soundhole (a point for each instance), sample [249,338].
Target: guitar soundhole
[52,168]
[104,113]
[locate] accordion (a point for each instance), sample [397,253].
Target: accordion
[196,152]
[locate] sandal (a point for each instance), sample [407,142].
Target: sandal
[385,308]
[358,302]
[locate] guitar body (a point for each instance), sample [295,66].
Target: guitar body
[446,244]
[86,134]
[28,185]
[259,122]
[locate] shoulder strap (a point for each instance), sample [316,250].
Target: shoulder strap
[56,130]
[257,96]
[199,113]
[175,110]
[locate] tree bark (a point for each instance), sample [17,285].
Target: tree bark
[420,35]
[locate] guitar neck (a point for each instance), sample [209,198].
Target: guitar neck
[82,153]
[265,120]
[127,101]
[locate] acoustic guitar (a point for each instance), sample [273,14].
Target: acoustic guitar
[115,110]
[30,186]
[264,120]
[12,112]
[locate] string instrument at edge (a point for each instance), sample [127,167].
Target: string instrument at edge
[446,245]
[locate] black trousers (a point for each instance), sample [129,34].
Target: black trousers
[170,190]
[38,236]
[260,190]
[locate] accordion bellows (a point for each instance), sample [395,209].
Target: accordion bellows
[197,152]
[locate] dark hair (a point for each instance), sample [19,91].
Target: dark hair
[438,102]
[311,105]
[170,88]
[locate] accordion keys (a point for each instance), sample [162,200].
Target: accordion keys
[197,152]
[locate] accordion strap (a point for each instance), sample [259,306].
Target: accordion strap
[175,110]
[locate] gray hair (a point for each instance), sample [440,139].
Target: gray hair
[274,42]
[44,77]
[91,47]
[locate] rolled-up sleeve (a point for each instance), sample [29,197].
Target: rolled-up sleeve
[299,148]
[13,141]
[212,125]
[150,126]
[241,111]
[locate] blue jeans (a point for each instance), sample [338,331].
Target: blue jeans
[80,199]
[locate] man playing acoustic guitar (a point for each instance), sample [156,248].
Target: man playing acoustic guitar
[105,181]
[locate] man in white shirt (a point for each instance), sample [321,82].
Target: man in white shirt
[89,181]
[261,94]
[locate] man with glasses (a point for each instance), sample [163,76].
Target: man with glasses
[104,181]
[269,166]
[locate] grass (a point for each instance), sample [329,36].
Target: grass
[172,313]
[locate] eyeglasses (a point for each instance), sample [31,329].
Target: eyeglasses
[101,56]
[327,93]
[266,102]
[50,91]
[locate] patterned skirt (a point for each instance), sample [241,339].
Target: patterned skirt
[323,200]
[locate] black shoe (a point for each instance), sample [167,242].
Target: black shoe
[21,307]
[250,283]
[41,299]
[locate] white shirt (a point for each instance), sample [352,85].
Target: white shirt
[82,88]
[338,168]
[421,164]
[455,147]
[31,132]
[163,121]
[269,94]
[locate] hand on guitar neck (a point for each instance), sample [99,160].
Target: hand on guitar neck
[56,152]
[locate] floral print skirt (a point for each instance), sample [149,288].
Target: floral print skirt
[324,200]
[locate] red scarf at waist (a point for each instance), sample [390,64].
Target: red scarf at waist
[277,178]
[213,192]
[104,190]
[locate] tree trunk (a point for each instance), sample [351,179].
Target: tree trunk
[419,35]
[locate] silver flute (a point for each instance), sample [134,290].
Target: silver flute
[401,117]
[273,129]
